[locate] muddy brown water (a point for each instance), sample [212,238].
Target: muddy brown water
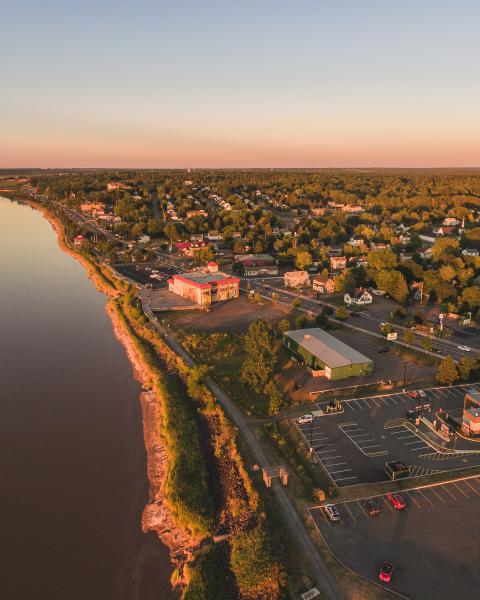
[72,462]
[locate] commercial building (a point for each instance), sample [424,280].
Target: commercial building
[325,355]
[471,413]
[205,288]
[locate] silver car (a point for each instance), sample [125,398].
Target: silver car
[332,512]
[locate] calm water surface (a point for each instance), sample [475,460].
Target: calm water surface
[72,461]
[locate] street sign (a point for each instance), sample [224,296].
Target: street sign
[392,336]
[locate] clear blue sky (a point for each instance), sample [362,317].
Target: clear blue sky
[244,83]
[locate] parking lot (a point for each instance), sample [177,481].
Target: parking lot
[354,445]
[433,543]
[151,274]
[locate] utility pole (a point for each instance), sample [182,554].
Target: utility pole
[404,374]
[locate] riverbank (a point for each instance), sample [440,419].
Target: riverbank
[157,516]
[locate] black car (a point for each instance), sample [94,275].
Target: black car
[437,350]
[383,350]
[372,507]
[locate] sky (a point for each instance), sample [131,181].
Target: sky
[245,83]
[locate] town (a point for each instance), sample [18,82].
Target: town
[339,312]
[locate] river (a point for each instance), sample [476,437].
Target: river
[72,462]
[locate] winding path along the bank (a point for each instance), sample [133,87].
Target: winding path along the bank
[319,570]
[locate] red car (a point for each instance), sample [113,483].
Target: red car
[397,501]
[386,572]
[412,394]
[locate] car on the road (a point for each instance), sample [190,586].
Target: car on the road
[386,572]
[396,500]
[308,418]
[383,349]
[464,348]
[372,507]
[332,512]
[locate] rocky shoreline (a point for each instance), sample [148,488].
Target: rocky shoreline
[156,515]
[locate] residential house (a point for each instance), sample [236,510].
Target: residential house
[191,214]
[353,209]
[360,297]
[215,236]
[323,284]
[189,248]
[338,262]
[296,279]
[470,252]
[445,231]
[255,264]
[451,222]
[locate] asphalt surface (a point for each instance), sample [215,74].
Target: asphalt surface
[353,446]
[434,543]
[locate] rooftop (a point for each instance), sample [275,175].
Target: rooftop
[329,349]
[206,278]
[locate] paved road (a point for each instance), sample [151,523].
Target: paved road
[318,569]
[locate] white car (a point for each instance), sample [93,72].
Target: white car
[332,512]
[422,394]
[305,419]
[464,348]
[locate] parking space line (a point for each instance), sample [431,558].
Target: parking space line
[359,435]
[420,492]
[359,406]
[375,402]
[445,488]
[365,400]
[362,509]
[384,401]
[471,487]
[387,503]
[330,457]
[340,471]
[393,400]
[460,489]
[325,451]
[350,512]
[375,446]
[344,478]
[413,499]
[335,464]
[348,404]
[410,443]
[437,494]
[419,448]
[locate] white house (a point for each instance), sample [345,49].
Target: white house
[359,298]
[451,222]
[470,252]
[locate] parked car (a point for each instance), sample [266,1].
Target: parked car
[413,394]
[308,418]
[397,501]
[464,348]
[332,512]
[386,572]
[436,350]
[422,394]
[383,349]
[372,507]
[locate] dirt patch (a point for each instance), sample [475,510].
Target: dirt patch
[234,315]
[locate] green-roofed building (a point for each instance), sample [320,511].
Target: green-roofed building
[325,355]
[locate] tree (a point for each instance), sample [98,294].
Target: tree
[275,398]
[260,357]
[204,255]
[301,321]
[342,313]
[408,337]
[471,296]
[171,231]
[443,248]
[283,326]
[465,367]
[427,343]
[447,373]
[303,260]
[382,259]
